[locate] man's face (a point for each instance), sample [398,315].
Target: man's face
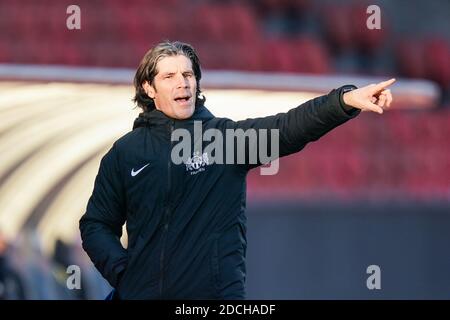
[174,87]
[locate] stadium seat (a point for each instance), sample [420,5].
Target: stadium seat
[310,56]
[337,26]
[410,58]
[437,52]
[278,56]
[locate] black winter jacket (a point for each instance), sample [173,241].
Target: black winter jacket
[186,223]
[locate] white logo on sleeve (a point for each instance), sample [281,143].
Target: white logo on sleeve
[135,173]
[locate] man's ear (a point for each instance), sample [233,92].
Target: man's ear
[149,90]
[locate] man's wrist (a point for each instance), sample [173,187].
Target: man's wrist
[343,98]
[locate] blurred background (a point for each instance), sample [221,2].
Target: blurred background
[375,191]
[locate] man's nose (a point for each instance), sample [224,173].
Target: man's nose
[182,81]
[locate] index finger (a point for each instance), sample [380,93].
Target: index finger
[382,85]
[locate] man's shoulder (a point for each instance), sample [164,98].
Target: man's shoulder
[219,123]
[129,140]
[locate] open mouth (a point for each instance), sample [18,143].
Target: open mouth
[183,99]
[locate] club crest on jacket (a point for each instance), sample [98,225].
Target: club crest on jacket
[197,162]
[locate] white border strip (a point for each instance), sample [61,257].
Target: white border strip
[217,79]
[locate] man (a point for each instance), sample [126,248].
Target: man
[185,222]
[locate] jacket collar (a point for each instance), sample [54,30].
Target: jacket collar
[158,118]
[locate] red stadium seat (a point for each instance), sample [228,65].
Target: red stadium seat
[278,56]
[410,59]
[437,52]
[336,20]
[310,56]
[225,23]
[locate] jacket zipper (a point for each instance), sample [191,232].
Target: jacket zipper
[166,216]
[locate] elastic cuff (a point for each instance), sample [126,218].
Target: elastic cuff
[342,90]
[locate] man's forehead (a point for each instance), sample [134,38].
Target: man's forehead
[172,64]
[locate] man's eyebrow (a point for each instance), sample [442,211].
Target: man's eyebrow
[163,74]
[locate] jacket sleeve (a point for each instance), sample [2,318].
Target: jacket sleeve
[300,125]
[101,225]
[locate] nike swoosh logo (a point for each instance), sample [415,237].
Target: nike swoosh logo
[135,173]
